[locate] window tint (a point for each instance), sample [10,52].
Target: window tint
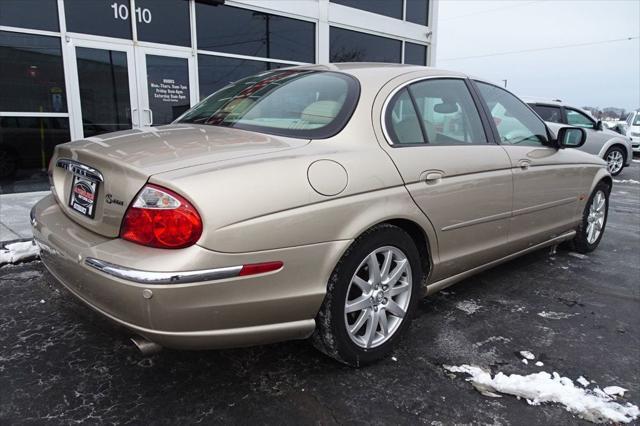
[516,124]
[448,113]
[402,120]
[249,32]
[32,73]
[578,119]
[392,8]
[415,54]
[103,17]
[20,13]
[306,104]
[216,72]
[153,17]
[417,11]
[548,113]
[353,46]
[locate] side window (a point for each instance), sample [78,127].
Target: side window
[548,113]
[578,119]
[448,113]
[516,124]
[402,120]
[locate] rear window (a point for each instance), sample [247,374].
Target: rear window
[303,104]
[548,113]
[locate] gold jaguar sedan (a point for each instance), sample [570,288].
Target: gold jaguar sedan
[319,201]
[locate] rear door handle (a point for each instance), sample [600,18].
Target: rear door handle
[524,164]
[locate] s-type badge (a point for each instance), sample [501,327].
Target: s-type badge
[110,199]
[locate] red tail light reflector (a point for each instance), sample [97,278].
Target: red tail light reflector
[160,218]
[259,268]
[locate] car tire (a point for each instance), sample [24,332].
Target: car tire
[359,300]
[594,216]
[615,158]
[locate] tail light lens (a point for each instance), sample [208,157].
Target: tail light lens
[161,218]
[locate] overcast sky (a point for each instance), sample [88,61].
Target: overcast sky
[598,75]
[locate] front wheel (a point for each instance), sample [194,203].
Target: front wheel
[594,220]
[615,158]
[370,298]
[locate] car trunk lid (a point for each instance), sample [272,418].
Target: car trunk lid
[95,179]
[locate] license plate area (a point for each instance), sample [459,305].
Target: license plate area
[84,193]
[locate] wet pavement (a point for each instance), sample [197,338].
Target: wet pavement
[62,363]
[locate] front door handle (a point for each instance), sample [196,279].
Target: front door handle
[433,177]
[150,116]
[524,164]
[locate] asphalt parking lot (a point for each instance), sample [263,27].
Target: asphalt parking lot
[61,363]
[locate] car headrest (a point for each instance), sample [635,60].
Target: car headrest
[320,112]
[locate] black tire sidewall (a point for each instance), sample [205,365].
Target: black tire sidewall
[381,236]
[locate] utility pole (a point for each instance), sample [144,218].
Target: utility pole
[505,83]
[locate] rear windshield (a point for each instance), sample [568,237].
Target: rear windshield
[303,104]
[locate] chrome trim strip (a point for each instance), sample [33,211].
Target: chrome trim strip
[544,206]
[80,169]
[151,278]
[492,218]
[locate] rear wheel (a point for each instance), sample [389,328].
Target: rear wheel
[594,220]
[370,298]
[615,158]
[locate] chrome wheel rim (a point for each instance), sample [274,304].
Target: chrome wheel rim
[378,297]
[596,216]
[615,161]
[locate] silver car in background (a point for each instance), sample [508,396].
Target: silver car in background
[612,147]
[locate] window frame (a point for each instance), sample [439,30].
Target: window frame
[550,142]
[386,111]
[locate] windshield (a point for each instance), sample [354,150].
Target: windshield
[636,121]
[296,103]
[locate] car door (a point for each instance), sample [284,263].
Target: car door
[547,182]
[460,180]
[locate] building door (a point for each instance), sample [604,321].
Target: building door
[165,79]
[105,94]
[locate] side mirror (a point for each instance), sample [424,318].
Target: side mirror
[571,137]
[599,125]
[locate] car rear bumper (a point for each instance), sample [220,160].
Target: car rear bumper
[191,298]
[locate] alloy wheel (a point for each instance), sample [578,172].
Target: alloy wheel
[615,161]
[378,297]
[596,216]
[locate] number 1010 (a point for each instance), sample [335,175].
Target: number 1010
[121,11]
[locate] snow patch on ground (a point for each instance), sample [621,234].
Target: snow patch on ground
[578,255]
[528,355]
[555,315]
[592,405]
[631,181]
[584,382]
[468,306]
[16,252]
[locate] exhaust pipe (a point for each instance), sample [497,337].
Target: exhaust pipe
[146,347]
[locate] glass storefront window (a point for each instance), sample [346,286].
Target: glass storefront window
[248,32]
[20,13]
[32,73]
[215,72]
[417,11]
[415,54]
[109,18]
[154,17]
[26,146]
[103,77]
[168,87]
[353,46]
[391,8]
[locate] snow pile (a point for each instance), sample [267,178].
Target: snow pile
[468,306]
[631,181]
[594,405]
[16,252]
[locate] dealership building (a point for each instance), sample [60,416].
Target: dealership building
[79,68]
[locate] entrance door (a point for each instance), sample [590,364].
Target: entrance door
[106,94]
[165,85]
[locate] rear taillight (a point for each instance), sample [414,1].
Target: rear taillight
[161,218]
